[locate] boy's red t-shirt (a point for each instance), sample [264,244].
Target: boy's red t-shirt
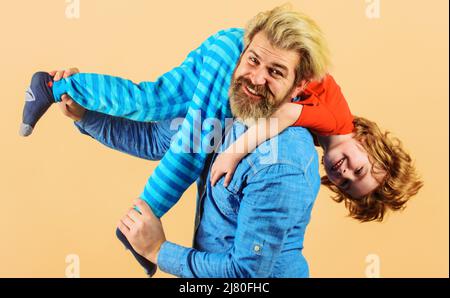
[325,111]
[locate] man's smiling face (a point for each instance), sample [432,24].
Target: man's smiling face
[263,79]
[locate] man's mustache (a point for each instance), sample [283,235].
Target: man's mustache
[262,90]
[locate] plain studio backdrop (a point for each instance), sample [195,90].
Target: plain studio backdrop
[62,193]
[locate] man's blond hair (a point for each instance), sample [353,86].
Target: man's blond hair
[291,30]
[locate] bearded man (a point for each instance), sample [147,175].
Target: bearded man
[255,226]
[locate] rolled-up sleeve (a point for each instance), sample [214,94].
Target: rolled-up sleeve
[169,258]
[267,212]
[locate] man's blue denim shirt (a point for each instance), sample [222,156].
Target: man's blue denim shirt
[255,227]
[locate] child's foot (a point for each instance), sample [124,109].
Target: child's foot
[149,267]
[38,98]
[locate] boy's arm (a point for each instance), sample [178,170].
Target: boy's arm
[266,128]
[257,134]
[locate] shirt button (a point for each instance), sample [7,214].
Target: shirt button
[257,248]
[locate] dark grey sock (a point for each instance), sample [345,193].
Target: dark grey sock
[149,267]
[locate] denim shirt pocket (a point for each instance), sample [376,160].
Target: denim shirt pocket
[226,200]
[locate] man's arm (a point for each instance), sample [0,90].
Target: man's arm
[267,212]
[147,140]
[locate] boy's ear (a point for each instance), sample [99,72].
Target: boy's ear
[301,86]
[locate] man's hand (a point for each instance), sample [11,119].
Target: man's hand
[70,108]
[59,74]
[67,105]
[143,230]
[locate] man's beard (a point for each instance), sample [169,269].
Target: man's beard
[249,109]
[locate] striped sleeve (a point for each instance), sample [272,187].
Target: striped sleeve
[166,98]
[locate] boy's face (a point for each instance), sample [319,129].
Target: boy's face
[348,166]
[263,79]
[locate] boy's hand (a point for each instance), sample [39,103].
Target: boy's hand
[67,105]
[225,163]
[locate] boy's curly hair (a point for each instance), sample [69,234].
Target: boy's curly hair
[399,184]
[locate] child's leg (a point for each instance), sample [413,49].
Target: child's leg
[175,173]
[147,101]
[183,162]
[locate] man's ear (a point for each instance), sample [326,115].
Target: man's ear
[301,86]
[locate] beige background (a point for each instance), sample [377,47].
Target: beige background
[62,193]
